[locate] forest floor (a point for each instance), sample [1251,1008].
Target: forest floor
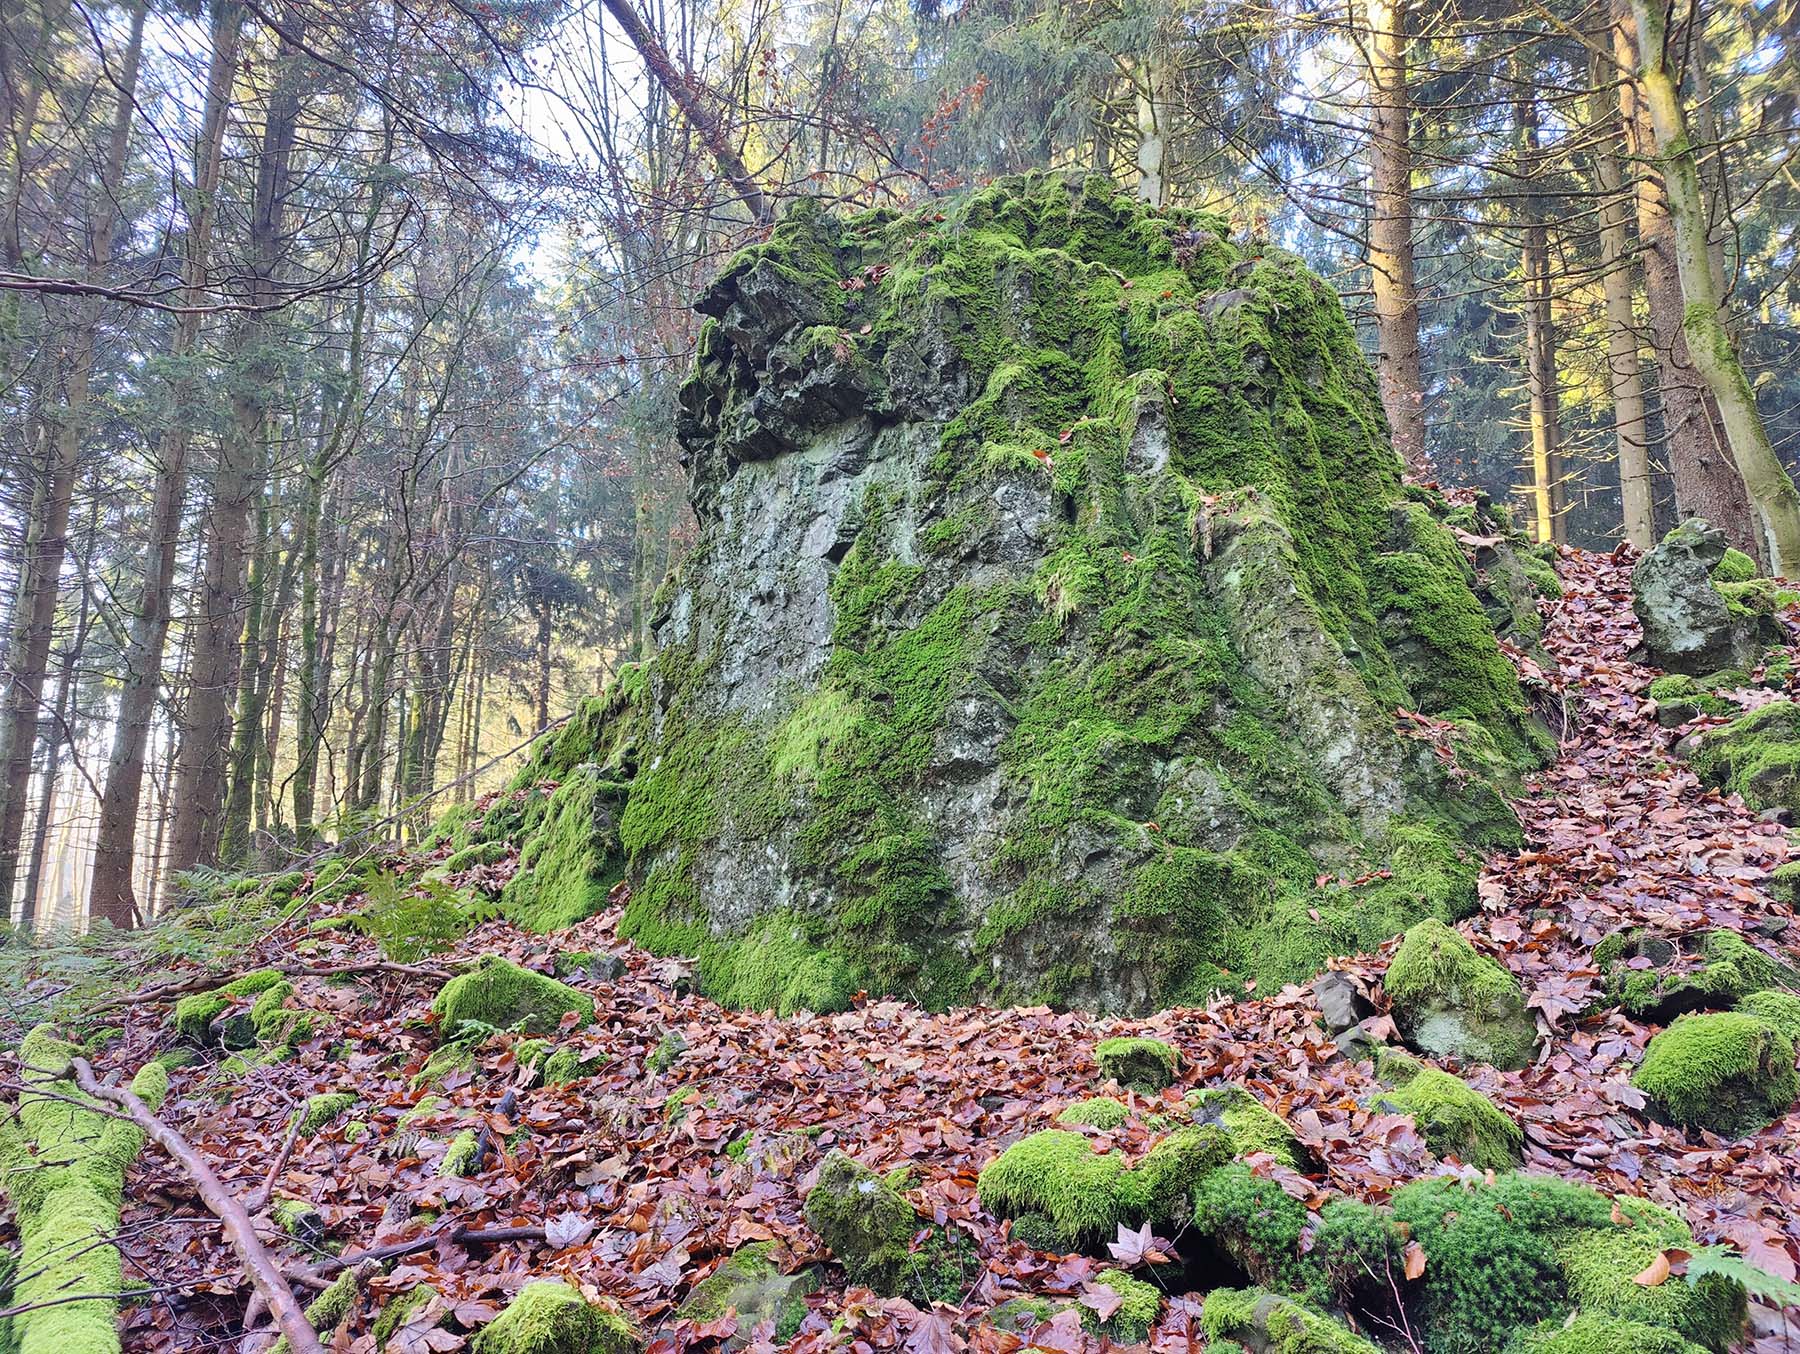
[640,1202]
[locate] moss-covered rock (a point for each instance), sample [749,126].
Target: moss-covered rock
[1139,1305]
[1062,1194]
[299,1220]
[1778,1009]
[63,1165]
[329,1310]
[498,994]
[325,1107]
[1589,1333]
[198,1018]
[1023,530]
[398,1311]
[750,1283]
[871,1230]
[1653,977]
[553,1318]
[1457,1120]
[1727,1071]
[1784,883]
[1756,756]
[1681,699]
[1251,1125]
[1146,1065]
[1265,1321]
[460,1158]
[1100,1111]
[1689,626]
[1449,1001]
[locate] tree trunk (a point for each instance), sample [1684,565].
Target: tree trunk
[1706,480]
[46,543]
[1390,233]
[1625,373]
[1152,141]
[1772,495]
[207,724]
[111,895]
[1548,491]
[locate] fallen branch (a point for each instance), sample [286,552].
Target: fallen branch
[260,1200]
[458,1235]
[239,1230]
[206,982]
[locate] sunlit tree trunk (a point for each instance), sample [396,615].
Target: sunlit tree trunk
[1390,230]
[1773,498]
[1548,490]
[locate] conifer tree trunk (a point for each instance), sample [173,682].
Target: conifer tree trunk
[1548,490]
[1705,476]
[111,894]
[1625,372]
[1390,231]
[1773,498]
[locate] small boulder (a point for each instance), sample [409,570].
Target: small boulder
[1729,1072]
[750,1283]
[500,994]
[1756,756]
[1455,1119]
[869,1227]
[1450,1002]
[553,1318]
[1251,1126]
[1688,626]
[1342,1004]
[1655,977]
[1145,1065]
[1267,1322]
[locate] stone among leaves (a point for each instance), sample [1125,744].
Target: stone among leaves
[553,1318]
[1146,1065]
[870,1228]
[1258,1319]
[500,995]
[1726,1071]
[1451,1002]
[1455,1119]
[1688,626]
[1655,977]
[750,1283]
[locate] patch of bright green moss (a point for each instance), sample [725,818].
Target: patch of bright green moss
[750,1283]
[1458,1121]
[1592,1333]
[1756,756]
[547,1317]
[569,861]
[322,1109]
[1258,1319]
[1726,1071]
[1101,1111]
[1252,1126]
[459,1160]
[1146,1065]
[498,994]
[1780,1010]
[871,1230]
[1139,1305]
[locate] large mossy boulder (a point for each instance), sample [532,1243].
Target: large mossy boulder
[552,1317]
[1756,756]
[1055,607]
[1689,627]
[1450,1001]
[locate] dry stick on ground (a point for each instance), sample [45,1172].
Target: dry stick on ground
[206,982]
[260,1200]
[458,1235]
[239,1230]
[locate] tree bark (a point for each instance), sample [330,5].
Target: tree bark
[111,893]
[1548,491]
[1625,372]
[1390,233]
[1705,477]
[1773,498]
[47,539]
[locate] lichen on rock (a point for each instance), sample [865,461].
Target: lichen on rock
[1055,579]
[1450,1001]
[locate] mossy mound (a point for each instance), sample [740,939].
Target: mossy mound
[1063,1195]
[1251,1125]
[499,995]
[1457,1120]
[553,1318]
[750,1283]
[1503,1257]
[1781,1010]
[1257,1319]
[1055,581]
[1100,1111]
[1146,1065]
[1587,1333]
[1727,1071]
[1756,756]
[1655,978]
[214,1018]
[325,1107]
[1680,698]
[872,1230]
[1450,1001]
[1135,1316]
[63,1165]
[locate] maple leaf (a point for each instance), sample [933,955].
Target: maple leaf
[567,1229]
[1102,1300]
[1140,1247]
[935,1332]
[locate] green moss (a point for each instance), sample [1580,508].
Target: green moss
[667,1052]
[553,1318]
[398,1310]
[776,967]
[1734,567]
[458,1055]
[1459,1121]
[298,1219]
[570,859]
[1450,1001]
[1592,1333]
[498,994]
[1600,1264]
[1146,1065]
[481,853]
[1784,882]
[195,1014]
[459,1159]
[1101,1111]
[1251,1125]
[329,1309]
[1266,1321]
[1680,698]
[63,1165]
[1779,1010]
[1729,968]
[1139,1305]
[321,1109]
[1726,1071]
[1261,1227]
[750,1283]
[871,1230]
[1756,756]
[563,1066]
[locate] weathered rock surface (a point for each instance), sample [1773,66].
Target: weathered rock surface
[1688,626]
[1055,601]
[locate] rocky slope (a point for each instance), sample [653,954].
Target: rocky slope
[1058,630]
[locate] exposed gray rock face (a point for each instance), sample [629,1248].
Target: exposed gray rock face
[1688,626]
